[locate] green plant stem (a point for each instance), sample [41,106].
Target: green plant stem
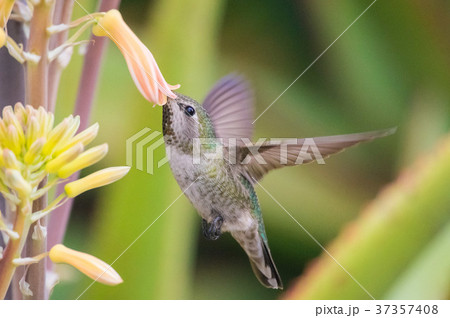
[37,73]
[13,250]
[36,272]
[37,95]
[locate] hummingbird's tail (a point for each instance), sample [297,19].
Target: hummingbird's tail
[260,258]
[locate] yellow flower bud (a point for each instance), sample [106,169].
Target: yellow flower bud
[55,136]
[86,159]
[64,158]
[95,180]
[5,10]
[9,117]
[33,128]
[30,149]
[87,264]
[46,121]
[10,160]
[74,124]
[85,137]
[20,112]
[3,132]
[34,151]
[140,61]
[15,181]
[2,38]
[13,141]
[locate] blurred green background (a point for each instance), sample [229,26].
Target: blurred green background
[391,68]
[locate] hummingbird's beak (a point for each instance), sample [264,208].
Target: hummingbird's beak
[167,102]
[171,100]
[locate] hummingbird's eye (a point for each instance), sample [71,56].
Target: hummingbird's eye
[189,110]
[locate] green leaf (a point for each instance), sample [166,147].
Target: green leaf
[386,239]
[428,277]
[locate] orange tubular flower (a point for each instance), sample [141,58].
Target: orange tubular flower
[141,63]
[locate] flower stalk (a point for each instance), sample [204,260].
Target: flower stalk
[13,249]
[38,44]
[37,95]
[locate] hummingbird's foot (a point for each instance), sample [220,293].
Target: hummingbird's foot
[212,230]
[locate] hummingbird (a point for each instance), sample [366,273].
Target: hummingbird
[222,190]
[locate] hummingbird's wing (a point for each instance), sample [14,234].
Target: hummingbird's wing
[229,105]
[256,161]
